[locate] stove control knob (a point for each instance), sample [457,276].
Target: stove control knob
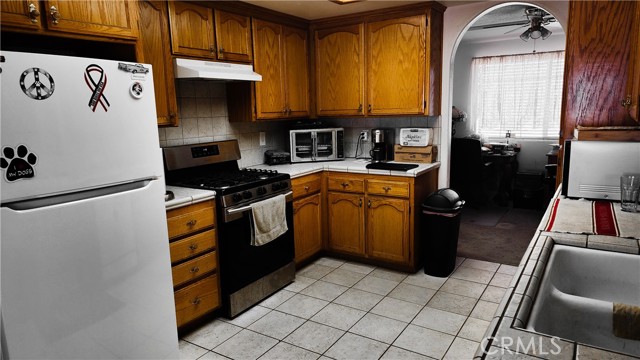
[275,186]
[246,194]
[236,197]
[262,190]
[283,185]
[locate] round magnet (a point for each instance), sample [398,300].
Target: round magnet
[136,90]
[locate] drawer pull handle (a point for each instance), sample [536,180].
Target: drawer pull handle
[195,301]
[193,247]
[369,203]
[386,188]
[192,222]
[55,15]
[195,269]
[344,184]
[33,13]
[306,188]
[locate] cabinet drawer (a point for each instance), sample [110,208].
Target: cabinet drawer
[346,184]
[306,185]
[192,246]
[197,299]
[388,188]
[194,268]
[189,219]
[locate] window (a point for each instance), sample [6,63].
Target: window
[517,93]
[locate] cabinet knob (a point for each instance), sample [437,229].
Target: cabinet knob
[193,246]
[626,102]
[172,115]
[369,203]
[386,188]
[369,108]
[194,269]
[360,202]
[195,301]
[192,222]
[306,188]
[55,15]
[33,13]
[212,49]
[221,53]
[284,111]
[360,108]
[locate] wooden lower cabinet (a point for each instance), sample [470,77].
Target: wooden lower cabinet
[307,216]
[387,229]
[345,222]
[194,259]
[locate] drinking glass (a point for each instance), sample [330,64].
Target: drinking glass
[629,190]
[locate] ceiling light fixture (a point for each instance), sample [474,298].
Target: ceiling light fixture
[536,31]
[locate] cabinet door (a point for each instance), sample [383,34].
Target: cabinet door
[296,68]
[154,48]
[233,37]
[267,45]
[346,223]
[307,226]
[191,30]
[396,66]
[340,70]
[109,18]
[388,229]
[21,13]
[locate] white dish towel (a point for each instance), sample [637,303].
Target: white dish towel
[268,220]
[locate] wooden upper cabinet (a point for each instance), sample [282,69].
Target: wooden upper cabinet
[633,82]
[339,56]
[21,14]
[154,48]
[296,69]
[396,66]
[192,30]
[108,18]
[233,37]
[267,44]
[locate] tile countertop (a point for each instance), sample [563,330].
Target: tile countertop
[187,196]
[507,328]
[348,165]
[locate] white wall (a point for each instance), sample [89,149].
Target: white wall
[456,20]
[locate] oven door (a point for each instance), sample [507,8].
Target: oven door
[241,263]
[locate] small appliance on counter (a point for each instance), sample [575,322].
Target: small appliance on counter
[314,144]
[416,136]
[275,157]
[382,145]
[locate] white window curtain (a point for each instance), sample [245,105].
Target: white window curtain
[517,93]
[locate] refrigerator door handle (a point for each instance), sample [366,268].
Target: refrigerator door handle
[76,196]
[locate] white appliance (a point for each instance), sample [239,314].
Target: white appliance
[213,70]
[592,169]
[85,264]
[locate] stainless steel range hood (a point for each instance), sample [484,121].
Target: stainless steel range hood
[200,69]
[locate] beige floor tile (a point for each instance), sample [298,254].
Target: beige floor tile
[453,303]
[397,309]
[358,299]
[333,263]
[314,337]
[412,293]
[424,341]
[379,328]
[248,317]
[424,280]
[463,287]
[302,306]
[188,351]
[481,265]
[212,356]
[359,268]
[395,353]
[376,285]
[236,347]
[352,346]
[343,277]
[461,349]
[471,274]
[389,274]
[507,269]
[299,283]
[315,271]
[284,351]
[484,310]
[443,321]
[324,290]
[459,260]
[212,334]
[493,294]
[474,329]
[277,299]
[338,316]
[501,280]
[277,324]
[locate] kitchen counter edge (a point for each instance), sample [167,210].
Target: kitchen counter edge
[187,196]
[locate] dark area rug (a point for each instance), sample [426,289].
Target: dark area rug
[497,234]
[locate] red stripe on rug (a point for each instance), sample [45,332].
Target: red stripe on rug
[604,219]
[552,216]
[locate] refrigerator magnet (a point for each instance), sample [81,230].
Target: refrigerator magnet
[96,79]
[37,83]
[17,164]
[136,90]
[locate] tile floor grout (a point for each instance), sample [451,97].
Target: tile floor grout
[390,345]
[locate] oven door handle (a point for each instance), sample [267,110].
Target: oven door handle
[229,213]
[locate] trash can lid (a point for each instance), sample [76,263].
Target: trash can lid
[443,201]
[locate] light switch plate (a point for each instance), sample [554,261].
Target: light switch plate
[263,138]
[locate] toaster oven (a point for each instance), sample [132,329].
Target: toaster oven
[316,144]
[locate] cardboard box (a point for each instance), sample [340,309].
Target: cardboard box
[423,154]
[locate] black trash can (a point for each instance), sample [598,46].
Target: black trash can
[441,217]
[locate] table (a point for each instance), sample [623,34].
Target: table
[505,166]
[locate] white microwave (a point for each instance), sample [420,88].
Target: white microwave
[316,144]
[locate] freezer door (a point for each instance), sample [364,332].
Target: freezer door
[89,279]
[73,123]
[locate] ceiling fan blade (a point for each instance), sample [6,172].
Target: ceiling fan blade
[519,27]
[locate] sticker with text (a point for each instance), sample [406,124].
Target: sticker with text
[37,83]
[96,80]
[133,68]
[17,164]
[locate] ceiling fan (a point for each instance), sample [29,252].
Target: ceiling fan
[537,17]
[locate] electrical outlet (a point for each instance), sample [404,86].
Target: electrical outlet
[364,135]
[263,138]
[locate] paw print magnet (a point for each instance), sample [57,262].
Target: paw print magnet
[17,164]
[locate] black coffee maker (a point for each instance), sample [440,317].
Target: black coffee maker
[382,141]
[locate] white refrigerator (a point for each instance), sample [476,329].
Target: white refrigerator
[84,251]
